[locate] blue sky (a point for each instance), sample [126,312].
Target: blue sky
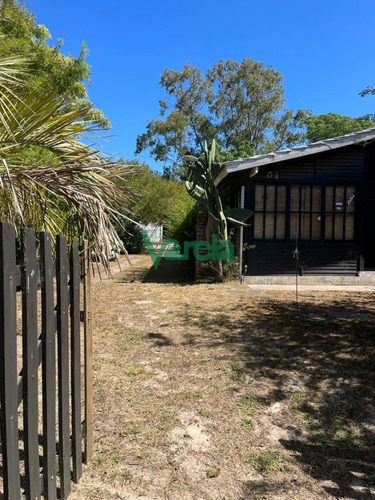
[324,50]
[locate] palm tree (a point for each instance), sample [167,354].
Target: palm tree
[49,179]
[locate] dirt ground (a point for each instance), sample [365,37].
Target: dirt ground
[215,391]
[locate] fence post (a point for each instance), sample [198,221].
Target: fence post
[48,367]
[62,269]
[8,362]
[30,354]
[75,279]
[88,353]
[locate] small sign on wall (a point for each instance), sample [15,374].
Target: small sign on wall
[273,175]
[350,199]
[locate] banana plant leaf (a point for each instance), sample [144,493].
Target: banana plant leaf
[191,190]
[238,223]
[191,158]
[197,169]
[237,215]
[215,170]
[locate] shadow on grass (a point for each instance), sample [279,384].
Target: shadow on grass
[321,364]
[168,271]
[160,340]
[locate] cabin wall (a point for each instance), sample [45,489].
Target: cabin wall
[350,166]
[346,165]
[368,228]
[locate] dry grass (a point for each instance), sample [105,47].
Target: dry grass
[215,392]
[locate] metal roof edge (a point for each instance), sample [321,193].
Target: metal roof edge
[299,151]
[223,172]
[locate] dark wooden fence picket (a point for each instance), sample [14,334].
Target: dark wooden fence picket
[8,362]
[62,271]
[50,291]
[75,362]
[48,366]
[30,355]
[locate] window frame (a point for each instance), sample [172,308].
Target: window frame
[274,211]
[334,184]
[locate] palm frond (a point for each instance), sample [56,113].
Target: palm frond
[73,199]
[74,192]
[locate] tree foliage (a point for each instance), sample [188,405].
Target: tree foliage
[49,179]
[156,200]
[367,91]
[44,63]
[241,104]
[320,127]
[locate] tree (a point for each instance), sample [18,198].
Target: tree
[241,104]
[248,106]
[157,200]
[367,91]
[320,127]
[45,64]
[49,179]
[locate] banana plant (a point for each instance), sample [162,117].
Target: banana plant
[201,175]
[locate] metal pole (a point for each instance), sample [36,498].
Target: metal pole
[242,205]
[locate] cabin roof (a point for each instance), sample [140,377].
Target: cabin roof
[254,162]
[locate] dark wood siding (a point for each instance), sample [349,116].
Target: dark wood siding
[369,213]
[271,258]
[288,171]
[278,258]
[347,166]
[329,258]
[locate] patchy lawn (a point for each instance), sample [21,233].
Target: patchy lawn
[218,392]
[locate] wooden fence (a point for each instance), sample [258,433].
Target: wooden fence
[41,367]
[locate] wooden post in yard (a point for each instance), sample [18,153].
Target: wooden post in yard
[88,355]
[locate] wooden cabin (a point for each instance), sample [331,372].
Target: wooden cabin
[314,207]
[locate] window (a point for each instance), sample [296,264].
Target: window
[304,211]
[270,211]
[339,212]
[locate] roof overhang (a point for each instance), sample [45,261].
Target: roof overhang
[223,172]
[254,162]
